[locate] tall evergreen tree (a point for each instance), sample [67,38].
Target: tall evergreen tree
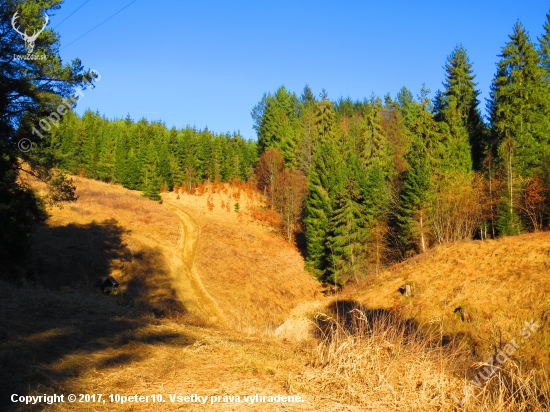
[324,120]
[151,185]
[322,183]
[132,178]
[30,90]
[459,105]
[544,47]
[416,198]
[520,119]
[279,126]
[121,151]
[347,234]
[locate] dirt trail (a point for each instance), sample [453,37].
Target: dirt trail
[186,281]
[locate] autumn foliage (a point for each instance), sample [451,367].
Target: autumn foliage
[533,204]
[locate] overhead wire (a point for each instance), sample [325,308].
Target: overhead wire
[59,24]
[104,21]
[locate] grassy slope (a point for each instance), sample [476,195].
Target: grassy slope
[60,334]
[502,283]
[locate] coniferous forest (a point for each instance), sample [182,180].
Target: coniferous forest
[368,182]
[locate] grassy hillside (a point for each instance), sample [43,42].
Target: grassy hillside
[212,302]
[497,284]
[61,334]
[416,336]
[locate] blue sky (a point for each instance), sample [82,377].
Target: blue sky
[207,63]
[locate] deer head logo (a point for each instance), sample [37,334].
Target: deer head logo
[29,40]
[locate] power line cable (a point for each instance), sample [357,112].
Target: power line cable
[71,14]
[108,18]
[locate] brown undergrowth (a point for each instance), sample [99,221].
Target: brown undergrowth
[375,360]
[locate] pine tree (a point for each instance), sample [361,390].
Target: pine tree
[324,120]
[279,125]
[324,181]
[307,132]
[152,181]
[107,146]
[407,106]
[164,169]
[416,198]
[457,151]
[121,151]
[132,178]
[30,90]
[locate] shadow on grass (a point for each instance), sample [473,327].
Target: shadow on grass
[62,327]
[350,318]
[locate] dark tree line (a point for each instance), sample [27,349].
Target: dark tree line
[368,182]
[147,156]
[388,178]
[29,91]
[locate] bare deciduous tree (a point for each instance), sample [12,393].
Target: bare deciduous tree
[288,198]
[270,165]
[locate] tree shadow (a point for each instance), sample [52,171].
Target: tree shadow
[301,244]
[351,318]
[60,326]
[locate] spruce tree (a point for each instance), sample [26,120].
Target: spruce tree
[520,120]
[132,178]
[279,125]
[164,170]
[416,197]
[306,132]
[459,106]
[347,234]
[121,151]
[324,120]
[544,47]
[318,208]
[151,185]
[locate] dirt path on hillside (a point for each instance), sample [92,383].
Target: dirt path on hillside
[186,281]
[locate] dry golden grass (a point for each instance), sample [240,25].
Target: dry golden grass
[254,275]
[500,283]
[60,334]
[373,361]
[369,349]
[480,294]
[72,341]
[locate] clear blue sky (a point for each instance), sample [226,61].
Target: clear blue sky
[207,63]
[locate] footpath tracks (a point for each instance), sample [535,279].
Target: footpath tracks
[186,280]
